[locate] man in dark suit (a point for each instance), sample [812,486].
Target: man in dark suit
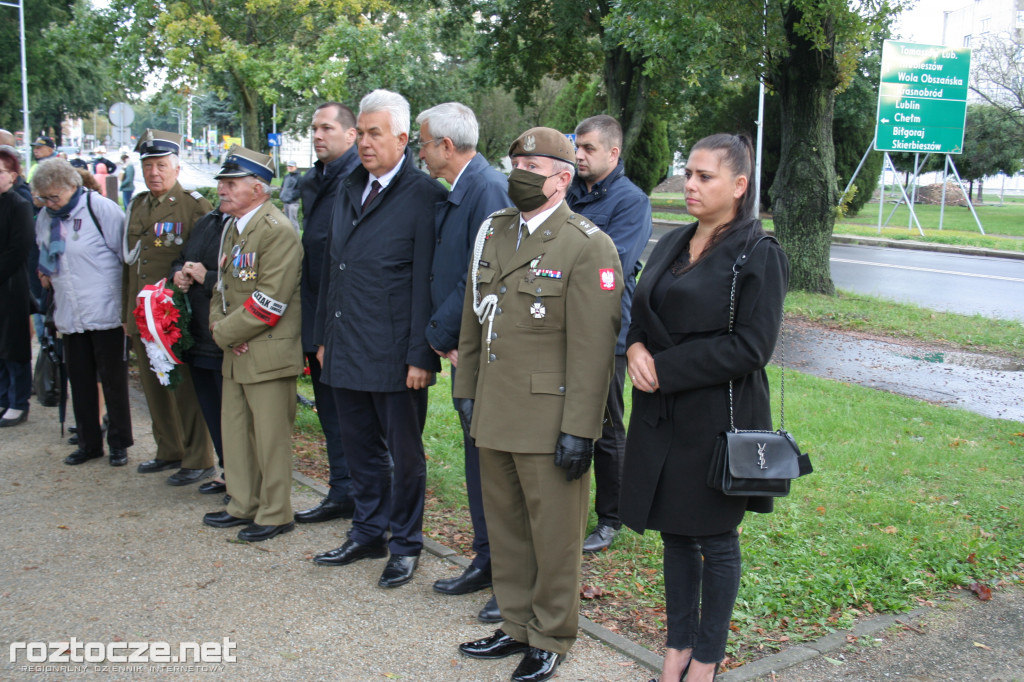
[536,349]
[334,136]
[448,137]
[372,314]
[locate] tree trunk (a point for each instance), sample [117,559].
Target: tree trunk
[804,193]
[250,113]
[981,182]
[627,94]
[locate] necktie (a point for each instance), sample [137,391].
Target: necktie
[519,238]
[374,191]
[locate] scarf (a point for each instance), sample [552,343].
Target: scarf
[49,254]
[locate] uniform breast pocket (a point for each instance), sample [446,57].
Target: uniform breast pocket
[545,303]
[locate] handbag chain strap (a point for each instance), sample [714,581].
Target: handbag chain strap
[736,267]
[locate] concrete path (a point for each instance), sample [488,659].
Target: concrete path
[106,555]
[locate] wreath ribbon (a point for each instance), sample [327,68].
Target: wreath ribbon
[149,294]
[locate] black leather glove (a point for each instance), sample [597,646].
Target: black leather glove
[574,454]
[465,406]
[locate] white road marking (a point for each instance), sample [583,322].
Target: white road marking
[940,272]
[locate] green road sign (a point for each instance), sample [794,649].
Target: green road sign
[922,98]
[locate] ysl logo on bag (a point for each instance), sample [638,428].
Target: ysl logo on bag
[760,455]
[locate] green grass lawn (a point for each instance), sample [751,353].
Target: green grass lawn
[1003,224]
[907,500]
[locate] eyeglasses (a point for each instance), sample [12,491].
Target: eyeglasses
[48,199]
[435,140]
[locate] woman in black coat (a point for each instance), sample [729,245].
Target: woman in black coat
[195,272]
[17,234]
[681,358]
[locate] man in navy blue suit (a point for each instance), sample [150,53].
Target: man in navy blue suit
[370,326]
[448,137]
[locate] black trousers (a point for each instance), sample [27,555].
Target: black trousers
[702,579]
[340,478]
[481,543]
[99,354]
[383,434]
[209,384]
[610,451]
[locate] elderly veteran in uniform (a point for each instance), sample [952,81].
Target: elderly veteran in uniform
[536,351]
[255,319]
[158,223]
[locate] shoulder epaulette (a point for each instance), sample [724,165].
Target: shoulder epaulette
[196,195]
[511,210]
[583,225]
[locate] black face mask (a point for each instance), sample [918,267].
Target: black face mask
[526,189]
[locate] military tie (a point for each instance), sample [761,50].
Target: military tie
[374,191]
[519,238]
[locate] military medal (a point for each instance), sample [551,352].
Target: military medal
[178,240]
[158,242]
[78,226]
[538,310]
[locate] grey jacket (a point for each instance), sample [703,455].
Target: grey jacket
[87,284]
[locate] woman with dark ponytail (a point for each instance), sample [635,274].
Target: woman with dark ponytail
[681,357]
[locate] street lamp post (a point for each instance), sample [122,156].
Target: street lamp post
[24,80]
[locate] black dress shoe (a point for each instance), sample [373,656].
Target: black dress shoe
[222,519]
[79,456]
[186,476]
[327,509]
[254,532]
[537,665]
[213,487]
[498,645]
[471,580]
[118,457]
[599,540]
[153,465]
[490,613]
[20,419]
[399,570]
[73,440]
[351,551]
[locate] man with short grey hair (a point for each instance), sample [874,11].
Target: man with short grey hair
[371,321]
[448,137]
[158,222]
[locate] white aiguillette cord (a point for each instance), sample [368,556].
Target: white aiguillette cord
[486,307]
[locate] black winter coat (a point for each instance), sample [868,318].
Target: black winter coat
[374,300]
[673,430]
[202,246]
[17,234]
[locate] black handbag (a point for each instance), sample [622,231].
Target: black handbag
[755,463]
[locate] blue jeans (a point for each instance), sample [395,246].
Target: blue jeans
[126,196]
[702,578]
[15,384]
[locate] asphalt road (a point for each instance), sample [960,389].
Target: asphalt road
[993,287]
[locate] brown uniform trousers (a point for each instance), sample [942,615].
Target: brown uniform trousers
[178,426]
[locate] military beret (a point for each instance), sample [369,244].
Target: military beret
[241,162]
[158,143]
[544,142]
[44,142]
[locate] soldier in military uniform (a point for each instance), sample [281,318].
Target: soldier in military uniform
[536,350]
[158,222]
[255,317]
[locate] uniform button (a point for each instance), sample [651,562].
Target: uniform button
[341,267]
[270,336]
[431,277]
[494,335]
[492,357]
[337,313]
[145,248]
[503,289]
[433,324]
[561,389]
[143,275]
[145,262]
[438,240]
[539,290]
[497,311]
[354,222]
